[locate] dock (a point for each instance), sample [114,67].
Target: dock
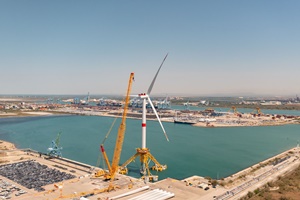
[75,179]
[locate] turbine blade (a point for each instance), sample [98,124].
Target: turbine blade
[158,118]
[153,81]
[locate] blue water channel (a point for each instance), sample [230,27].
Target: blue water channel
[214,152]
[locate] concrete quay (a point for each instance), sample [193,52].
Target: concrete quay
[82,182]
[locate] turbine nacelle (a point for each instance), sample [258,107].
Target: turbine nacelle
[146,98]
[143,95]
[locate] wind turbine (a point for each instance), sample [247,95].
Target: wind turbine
[144,152]
[145,97]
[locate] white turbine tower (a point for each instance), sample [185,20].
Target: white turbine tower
[144,152]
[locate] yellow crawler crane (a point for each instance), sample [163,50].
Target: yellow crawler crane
[257,111]
[101,172]
[233,109]
[114,167]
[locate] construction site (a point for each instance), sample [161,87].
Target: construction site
[234,118]
[27,174]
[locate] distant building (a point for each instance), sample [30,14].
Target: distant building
[271,103]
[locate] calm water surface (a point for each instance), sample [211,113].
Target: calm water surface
[214,152]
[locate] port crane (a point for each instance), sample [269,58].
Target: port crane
[144,152]
[187,105]
[164,104]
[114,167]
[233,109]
[257,111]
[86,100]
[55,149]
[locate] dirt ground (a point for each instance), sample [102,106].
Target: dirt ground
[6,145]
[285,188]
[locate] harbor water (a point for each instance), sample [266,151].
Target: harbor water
[213,152]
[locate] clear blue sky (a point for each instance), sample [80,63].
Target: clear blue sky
[215,47]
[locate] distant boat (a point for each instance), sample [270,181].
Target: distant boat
[184,121]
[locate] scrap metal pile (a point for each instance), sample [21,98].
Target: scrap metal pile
[33,175]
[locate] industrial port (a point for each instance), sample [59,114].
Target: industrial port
[27,174]
[208,117]
[220,123]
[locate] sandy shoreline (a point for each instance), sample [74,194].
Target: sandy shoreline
[218,122]
[31,114]
[24,114]
[4,145]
